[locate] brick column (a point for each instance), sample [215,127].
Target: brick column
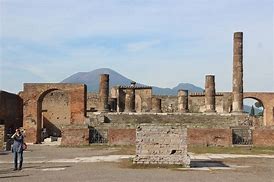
[130,98]
[183,101]
[103,93]
[210,93]
[237,104]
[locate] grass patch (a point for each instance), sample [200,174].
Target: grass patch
[232,150]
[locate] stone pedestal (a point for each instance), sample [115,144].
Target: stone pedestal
[161,144]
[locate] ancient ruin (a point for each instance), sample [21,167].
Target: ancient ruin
[237,90]
[161,144]
[112,115]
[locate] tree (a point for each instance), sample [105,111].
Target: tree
[258,104]
[252,111]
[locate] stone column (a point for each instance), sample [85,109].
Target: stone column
[237,104]
[103,93]
[183,101]
[210,93]
[156,105]
[130,99]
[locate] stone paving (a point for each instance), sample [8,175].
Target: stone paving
[87,164]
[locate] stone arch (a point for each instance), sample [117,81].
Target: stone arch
[53,111]
[33,95]
[267,99]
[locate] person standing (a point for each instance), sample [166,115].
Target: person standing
[17,149]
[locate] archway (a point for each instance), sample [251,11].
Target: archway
[53,112]
[253,106]
[256,110]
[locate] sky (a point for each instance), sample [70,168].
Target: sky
[154,42]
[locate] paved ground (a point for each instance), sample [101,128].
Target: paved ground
[52,163]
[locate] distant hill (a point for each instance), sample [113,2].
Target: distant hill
[91,79]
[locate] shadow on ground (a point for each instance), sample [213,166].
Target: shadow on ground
[206,163]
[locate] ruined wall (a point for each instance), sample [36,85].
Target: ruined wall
[209,137]
[11,110]
[2,136]
[33,96]
[55,112]
[263,137]
[143,99]
[92,101]
[121,136]
[75,136]
[103,122]
[196,103]
[169,103]
[161,144]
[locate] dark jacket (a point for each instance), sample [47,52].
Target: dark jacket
[18,143]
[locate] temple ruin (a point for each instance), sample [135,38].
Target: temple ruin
[68,111]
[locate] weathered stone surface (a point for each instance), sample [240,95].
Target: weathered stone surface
[121,136]
[103,93]
[210,93]
[2,136]
[75,136]
[209,137]
[263,137]
[161,144]
[11,110]
[238,72]
[156,105]
[183,101]
[113,104]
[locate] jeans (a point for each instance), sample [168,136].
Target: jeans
[17,155]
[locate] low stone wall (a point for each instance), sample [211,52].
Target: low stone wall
[263,137]
[195,137]
[209,137]
[2,136]
[161,144]
[121,136]
[75,136]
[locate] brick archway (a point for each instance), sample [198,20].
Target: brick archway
[267,99]
[34,93]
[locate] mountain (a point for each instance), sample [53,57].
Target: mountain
[91,79]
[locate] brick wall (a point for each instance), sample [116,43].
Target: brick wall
[75,136]
[209,137]
[263,137]
[121,136]
[2,136]
[11,110]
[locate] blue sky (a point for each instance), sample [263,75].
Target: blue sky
[155,42]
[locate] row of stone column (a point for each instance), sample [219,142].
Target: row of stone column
[110,104]
[209,96]
[210,92]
